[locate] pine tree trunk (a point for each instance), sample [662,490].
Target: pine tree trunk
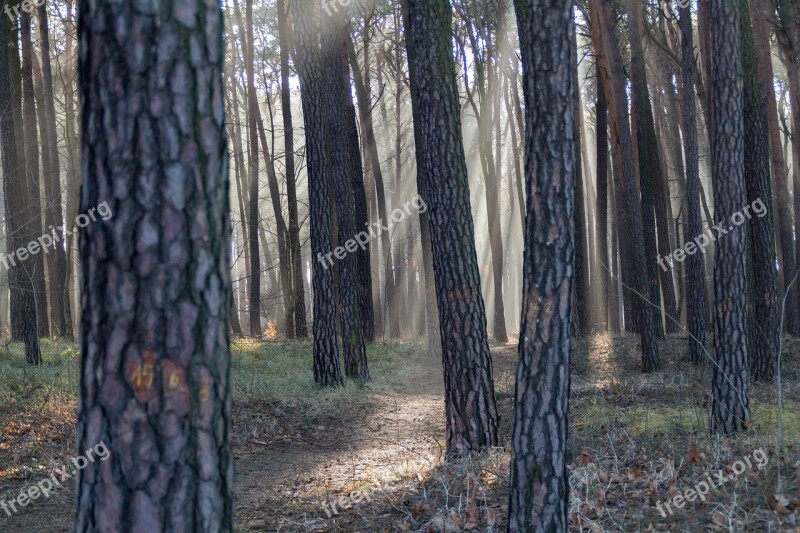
[601,118]
[73,179]
[654,216]
[297,288]
[539,485]
[33,266]
[607,47]
[361,210]
[15,194]
[580,318]
[766,332]
[695,283]
[315,116]
[155,377]
[56,258]
[730,407]
[253,218]
[345,168]
[470,409]
[767,89]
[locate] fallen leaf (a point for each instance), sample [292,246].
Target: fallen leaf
[583,459]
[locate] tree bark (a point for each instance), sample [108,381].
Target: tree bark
[155,372]
[345,168]
[254,285]
[762,354]
[313,87]
[695,284]
[607,48]
[539,485]
[760,9]
[15,195]
[470,409]
[730,406]
[654,212]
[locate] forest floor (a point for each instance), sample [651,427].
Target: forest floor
[376,449]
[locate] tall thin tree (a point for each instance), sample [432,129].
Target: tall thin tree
[305,14]
[470,408]
[539,486]
[730,406]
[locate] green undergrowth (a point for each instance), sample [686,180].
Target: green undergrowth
[56,379]
[661,420]
[262,372]
[282,372]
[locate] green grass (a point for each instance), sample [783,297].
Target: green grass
[262,372]
[655,421]
[282,372]
[55,379]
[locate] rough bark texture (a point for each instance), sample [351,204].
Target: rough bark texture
[730,408]
[15,196]
[539,486]
[607,47]
[695,284]
[313,88]
[766,311]
[344,170]
[155,279]
[361,210]
[470,410]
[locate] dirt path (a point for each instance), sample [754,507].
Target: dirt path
[284,485]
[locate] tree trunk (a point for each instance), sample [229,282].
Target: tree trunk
[601,133]
[470,409]
[767,90]
[606,45]
[73,179]
[155,377]
[15,196]
[582,301]
[313,88]
[695,284]
[34,265]
[361,211]
[654,213]
[254,285]
[57,258]
[766,332]
[730,407]
[345,168]
[297,288]
[539,485]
